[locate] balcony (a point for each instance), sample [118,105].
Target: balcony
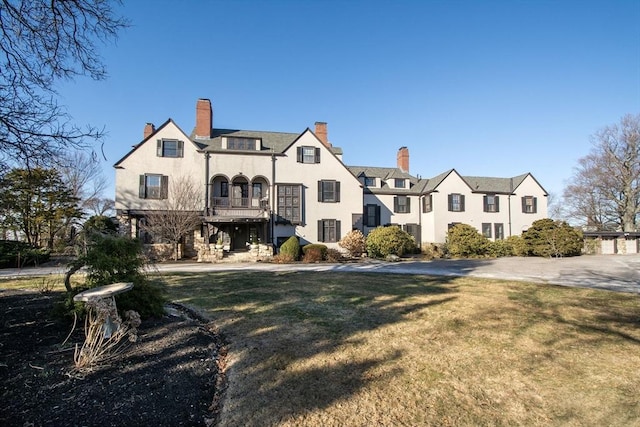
[238,209]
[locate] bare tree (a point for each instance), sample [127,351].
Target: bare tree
[42,42]
[605,189]
[83,175]
[178,215]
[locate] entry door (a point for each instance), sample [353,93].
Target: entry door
[240,237]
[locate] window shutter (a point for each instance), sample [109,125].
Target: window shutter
[299,154]
[430,202]
[462,203]
[141,192]
[159,148]
[408,209]
[320,230]
[395,204]
[450,198]
[317,159]
[337,230]
[337,188]
[485,204]
[497,201]
[320,198]
[164,187]
[524,204]
[535,205]
[377,216]
[180,148]
[365,217]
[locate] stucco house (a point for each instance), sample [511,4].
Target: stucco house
[268,186]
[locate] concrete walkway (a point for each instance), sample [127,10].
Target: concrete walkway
[619,273]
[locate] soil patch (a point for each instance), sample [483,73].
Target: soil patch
[171,376]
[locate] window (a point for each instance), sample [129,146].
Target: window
[224,189]
[401,204]
[256,190]
[499,230]
[328,230]
[427,203]
[369,182]
[529,204]
[491,203]
[244,144]
[153,186]
[399,182]
[289,203]
[372,215]
[414,230]
[170,148]
[308,154]
[486,229]
[329,191]
[456,202]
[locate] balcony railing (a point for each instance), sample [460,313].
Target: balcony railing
[238,207]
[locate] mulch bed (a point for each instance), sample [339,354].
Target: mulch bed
[172,376]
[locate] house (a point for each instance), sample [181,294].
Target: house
[268,186]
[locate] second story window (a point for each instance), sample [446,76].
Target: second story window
[491,203]
[456,202]
[308,154]
[399,183]
[243,144]
[289,203]
[369,182]
[427,203]
[529,204]
[401,204]
[329,191]
[170,148]
[153,186]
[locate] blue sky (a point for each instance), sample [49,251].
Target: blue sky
[490,88]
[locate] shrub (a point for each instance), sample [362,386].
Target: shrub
[282,259]
[354,242]
[518,245]
[383,241]
[312,255]
[547,238]
[500,248]
[315,247]
[433,251]
[14,254]
[334,255]
[291,248]
[465,241]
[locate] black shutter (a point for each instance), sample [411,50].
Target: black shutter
[395,204]
[450,199]
[377,215]
[430,202]
[159,148]
[462,203]
[320,198]
[535,205]
[524,204]
[180,148]
[141,189]
[337,188]
[365,217]
[320,230]
[299,154]
[497,201]
[164,187]
[408,209]
[485,204]
[317,159]
[337,230]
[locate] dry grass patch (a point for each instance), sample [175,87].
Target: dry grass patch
[365,349]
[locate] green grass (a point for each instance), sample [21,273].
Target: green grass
[366,349]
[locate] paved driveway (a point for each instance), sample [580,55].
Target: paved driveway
[613,272]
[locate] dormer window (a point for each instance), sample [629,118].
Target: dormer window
[170,148]
[369,182]
[400,183]
[240,143]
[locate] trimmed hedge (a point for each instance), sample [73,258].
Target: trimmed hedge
[291,248]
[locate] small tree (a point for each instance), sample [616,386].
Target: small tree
[354,242]
[383,241]
[178,215]
[465,241]
[291,248]
[549,238]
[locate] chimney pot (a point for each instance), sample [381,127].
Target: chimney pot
[403,159]
[321,133]
[149,128]
[204,118]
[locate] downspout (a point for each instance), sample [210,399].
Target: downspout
[509,200]
[206,184]
[273,199]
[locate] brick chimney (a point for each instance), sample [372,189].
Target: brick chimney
[204,118]
[403,159]
[149,128]
[321,133]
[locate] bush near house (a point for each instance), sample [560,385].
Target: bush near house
[549,238]
[464,241]
[318,249]
[291,248]
[354,242]
[391,240]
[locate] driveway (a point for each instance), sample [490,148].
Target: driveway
[619,273]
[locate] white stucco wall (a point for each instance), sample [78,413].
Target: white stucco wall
[522,221]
